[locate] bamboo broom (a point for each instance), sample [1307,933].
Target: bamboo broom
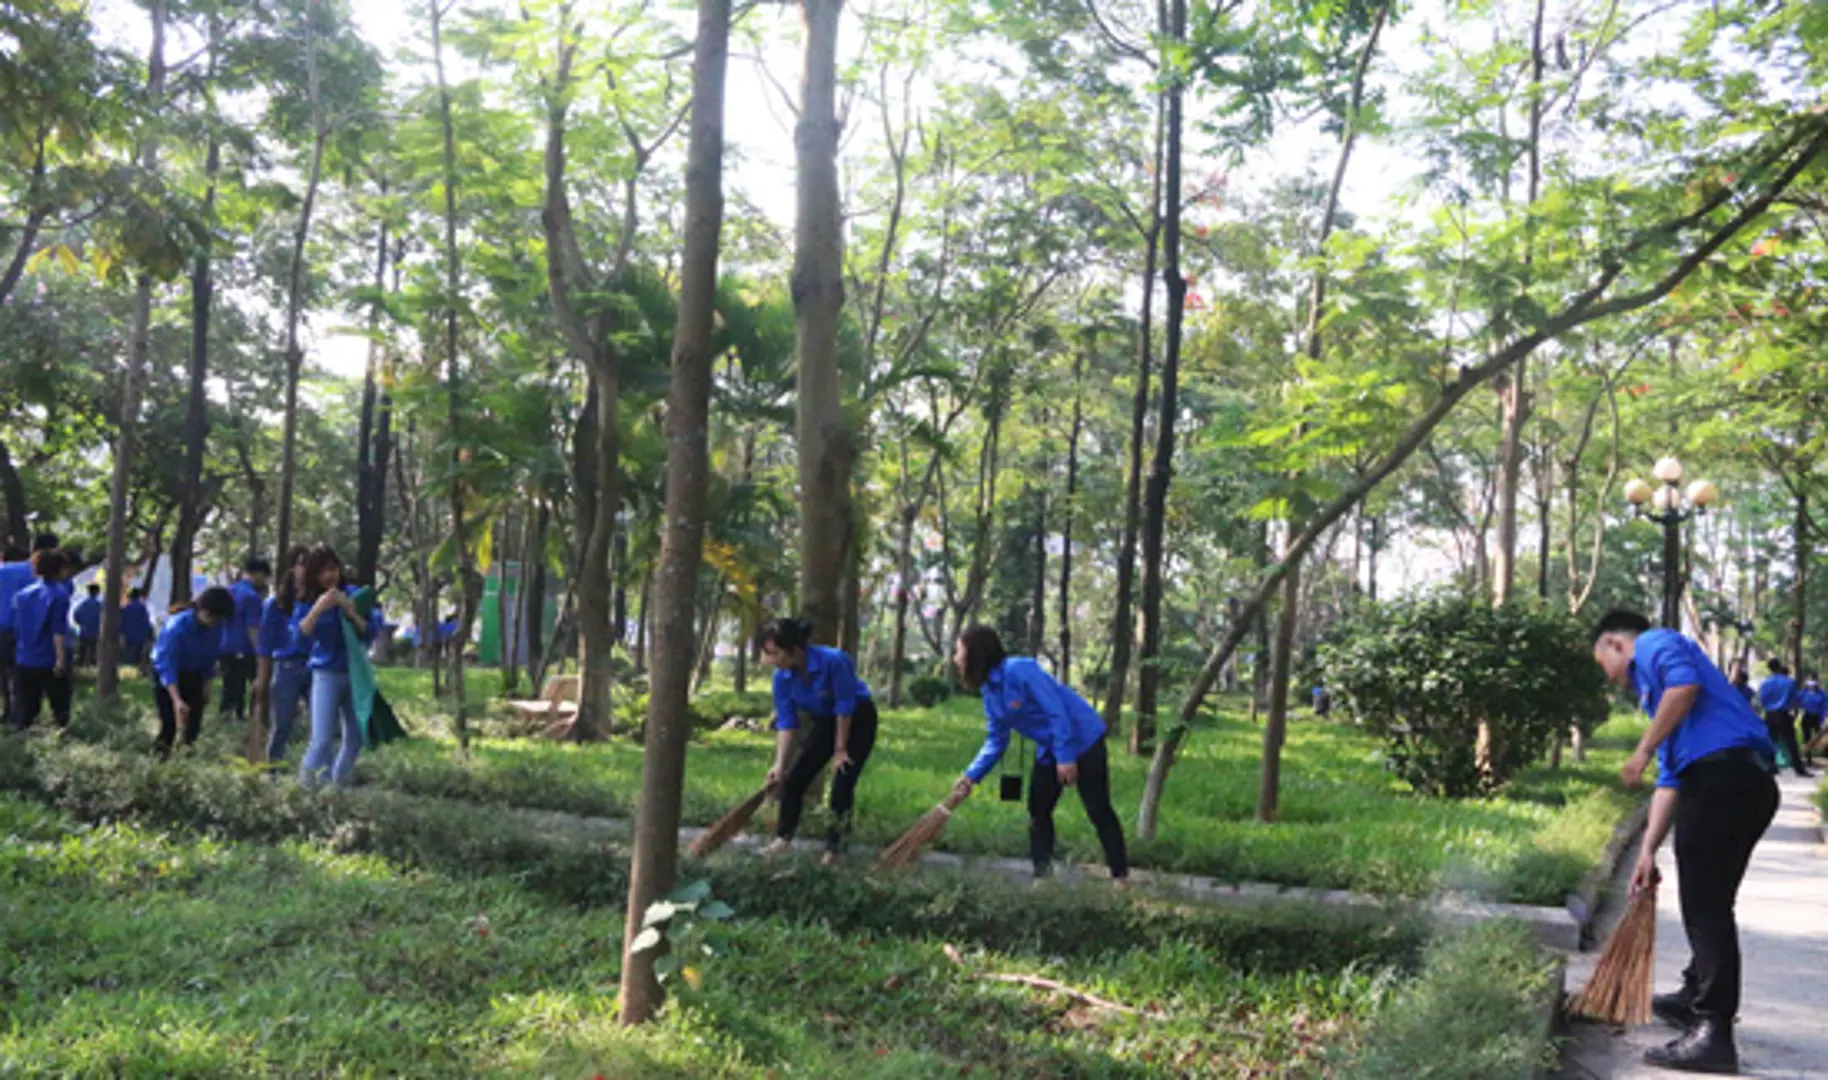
[727,827]
[1619,991]
[925,831]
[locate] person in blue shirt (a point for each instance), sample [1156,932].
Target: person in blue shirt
[819,684]
[240,635]
[87,616]
[1716,786]
[1778,694]
[15,575]
[1069,744]
[136,628]
[283,681]
[41,631]
[1812,701]
[332,698]
[183,663]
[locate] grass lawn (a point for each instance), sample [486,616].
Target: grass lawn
[137,953]
[1346,822]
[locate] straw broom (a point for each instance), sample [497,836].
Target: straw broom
[1619,991]
[925,831]
[727,827]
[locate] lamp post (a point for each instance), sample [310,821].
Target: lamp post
[1672,505]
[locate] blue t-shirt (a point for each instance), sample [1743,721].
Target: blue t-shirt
[827,686]
[1812,700]
[41,615]
[15,577]
[186,645]
[329,652]
[136,624]
[1777,693]
[88,618]
[1719,720]
[1019,695]
[279,639]
[235,640]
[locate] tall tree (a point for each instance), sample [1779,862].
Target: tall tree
[653,865]
[295,274]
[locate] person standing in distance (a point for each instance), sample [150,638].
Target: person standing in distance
[15,576]
[1812,702]
[87,616]
[822,684]
[136,628]
[336,734]
[241,636]
[1716,787]
[41,627]
[1777,694]
[1069,744]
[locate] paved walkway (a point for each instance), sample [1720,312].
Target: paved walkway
[1783,933]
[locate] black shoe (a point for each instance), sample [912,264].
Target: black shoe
[1677,1009]
[1707,1048]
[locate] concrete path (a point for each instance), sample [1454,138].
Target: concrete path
[1783,934]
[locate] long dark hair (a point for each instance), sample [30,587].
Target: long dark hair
[784,634]
[983,652]
[285,594]
[317,560]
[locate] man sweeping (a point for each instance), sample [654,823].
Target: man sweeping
[1715,784]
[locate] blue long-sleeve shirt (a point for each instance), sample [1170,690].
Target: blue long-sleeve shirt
[1022,697]
[15,577]
[329,652]
[279,637]
[1720,718]
[88,618]
[1777,693]
[1812,700]
[826,686]
[235,629]
[41,615]
[186,645]
[136,624]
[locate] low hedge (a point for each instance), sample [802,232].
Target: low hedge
[98,783]
[1474,1013]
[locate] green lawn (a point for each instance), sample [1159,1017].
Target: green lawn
[141,954]
[1346,823]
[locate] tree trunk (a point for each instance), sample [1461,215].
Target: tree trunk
[1155,505]
[295,288]
[18,525]
[1799,590]
[739,677]
[645,626]
[196,404]
[504,626]
[533,596]
[108,651]
[654,863]
[1275,726]
[1066,521]
[469,582]
[822,436]
[376,431]
[1123,621]
[1037,604]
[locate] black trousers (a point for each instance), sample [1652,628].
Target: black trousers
[1722,810]
[1812,726]
[192,687]
[1094,786]
[34,687]
[237,674]
[9,648]
[1782,728]
[85,651]
[814,754]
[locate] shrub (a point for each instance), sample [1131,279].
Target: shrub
[713,710]
[1465,694]
[1473,1014]
[930,690]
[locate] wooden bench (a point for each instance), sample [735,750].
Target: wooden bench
[558,701]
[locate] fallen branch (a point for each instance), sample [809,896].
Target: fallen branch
[1041,983]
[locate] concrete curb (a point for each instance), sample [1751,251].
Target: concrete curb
[1583,905]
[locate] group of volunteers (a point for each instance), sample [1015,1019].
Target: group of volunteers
[275,655]
[1782,699]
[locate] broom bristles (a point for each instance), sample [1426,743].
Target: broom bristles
[925,831]
[727,827]
[1619,991]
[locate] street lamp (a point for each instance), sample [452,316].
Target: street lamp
[1672,505]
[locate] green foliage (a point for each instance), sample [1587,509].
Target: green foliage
[713,709]
[928,691]
[1477,1012]
[686,923]
[1433,676]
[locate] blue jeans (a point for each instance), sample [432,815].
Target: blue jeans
[332,705]
[291,688]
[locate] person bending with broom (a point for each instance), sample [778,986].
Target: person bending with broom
[1069,744]
[821,683]
[1715,784]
